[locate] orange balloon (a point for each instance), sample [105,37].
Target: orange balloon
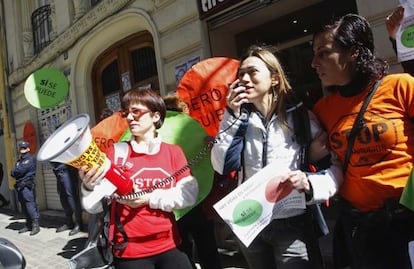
[109,130]
[204,88]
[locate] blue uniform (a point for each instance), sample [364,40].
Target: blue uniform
[25,174]
[68,189]
[3,200]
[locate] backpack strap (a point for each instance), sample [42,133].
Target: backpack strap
[113,217]
[121,152]
[303,134]
[315,220]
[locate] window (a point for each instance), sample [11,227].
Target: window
[129,63]
[144,63]
[110,78]
[42,28]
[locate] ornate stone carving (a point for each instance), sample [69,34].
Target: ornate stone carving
[28,45]
[80,7]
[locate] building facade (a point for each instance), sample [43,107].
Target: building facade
[106,47]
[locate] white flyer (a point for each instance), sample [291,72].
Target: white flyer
[251,206]
[405,34]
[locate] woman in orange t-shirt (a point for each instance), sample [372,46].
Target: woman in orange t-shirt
[373,229]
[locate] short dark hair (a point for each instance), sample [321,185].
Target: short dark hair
[147,97]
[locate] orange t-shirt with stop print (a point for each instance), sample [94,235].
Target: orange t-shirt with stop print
[382,155]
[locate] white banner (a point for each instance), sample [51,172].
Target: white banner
[405,34]
[251,206]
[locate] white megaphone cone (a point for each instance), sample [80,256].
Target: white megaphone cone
[72,144]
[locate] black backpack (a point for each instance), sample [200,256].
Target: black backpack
[314,215]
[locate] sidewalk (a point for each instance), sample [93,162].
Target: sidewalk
[49,249]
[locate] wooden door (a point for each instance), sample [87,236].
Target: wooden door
[129,63]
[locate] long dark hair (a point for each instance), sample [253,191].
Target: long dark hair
[353,32]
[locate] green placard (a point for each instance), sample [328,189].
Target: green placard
[407,196]
[46,88]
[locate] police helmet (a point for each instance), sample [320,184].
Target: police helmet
[24,144]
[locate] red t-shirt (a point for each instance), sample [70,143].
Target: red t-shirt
[382,155]
[149,231]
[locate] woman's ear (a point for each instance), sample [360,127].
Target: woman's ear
[275,80]
[156,116]
[156,119]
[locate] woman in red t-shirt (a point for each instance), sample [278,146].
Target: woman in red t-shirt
[148,220]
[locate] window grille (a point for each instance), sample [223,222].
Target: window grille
[42,28]
[144,62]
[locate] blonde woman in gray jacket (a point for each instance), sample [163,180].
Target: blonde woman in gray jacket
[257,130]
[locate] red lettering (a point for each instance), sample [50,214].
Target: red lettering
[205,99]
[102,143]
[216,95]
[194,104]
[211,118]
[220,113]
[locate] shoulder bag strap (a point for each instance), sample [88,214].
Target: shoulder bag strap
[357,125]
[121,151]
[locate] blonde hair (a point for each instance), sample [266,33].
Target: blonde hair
[282,93]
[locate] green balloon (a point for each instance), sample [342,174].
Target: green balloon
[46,88]
[182,130]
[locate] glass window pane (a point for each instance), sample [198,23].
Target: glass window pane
[144,63]
[110,78]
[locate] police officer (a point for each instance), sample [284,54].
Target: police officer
[25,174]
[4,201]
[68,189]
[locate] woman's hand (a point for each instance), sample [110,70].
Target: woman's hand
[236,96]
[137,202]
[393,21]
[298,180]
[91,178]
[319,147]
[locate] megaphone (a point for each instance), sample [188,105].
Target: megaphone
[72,144]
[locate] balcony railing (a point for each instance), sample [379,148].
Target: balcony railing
[42,28]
